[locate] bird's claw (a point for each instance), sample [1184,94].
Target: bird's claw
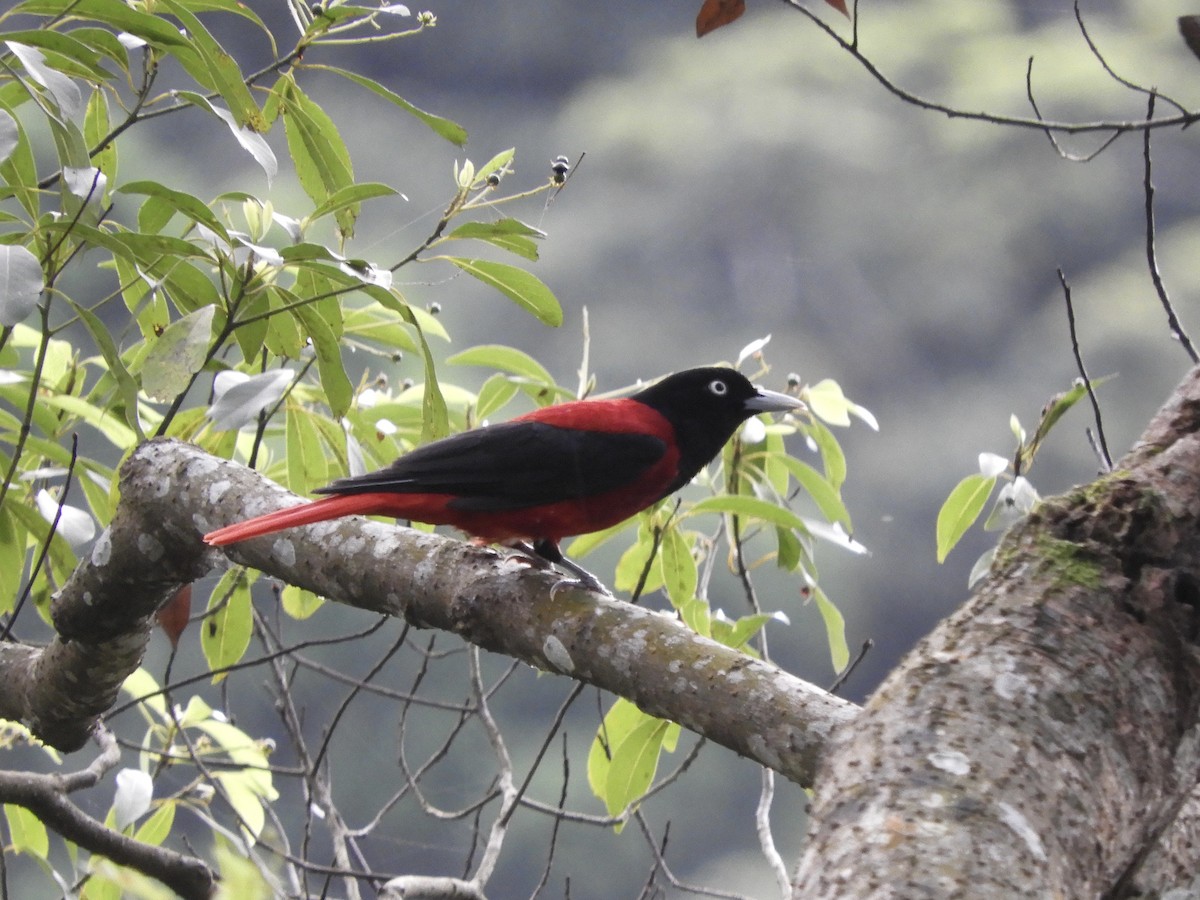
[585,581]
[580,578]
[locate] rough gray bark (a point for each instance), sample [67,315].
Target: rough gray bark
[172,493]
[1040,741]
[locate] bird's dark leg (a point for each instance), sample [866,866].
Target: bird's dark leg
[547,551]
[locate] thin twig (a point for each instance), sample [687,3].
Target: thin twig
[1104,455]
[841,679]
[1151,252]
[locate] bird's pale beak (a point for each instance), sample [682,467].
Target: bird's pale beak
[773,401]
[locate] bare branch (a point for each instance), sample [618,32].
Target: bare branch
[747,705]
[46,797]
[1105,456]
[1151,251]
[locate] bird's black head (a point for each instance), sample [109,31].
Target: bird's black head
[705,407]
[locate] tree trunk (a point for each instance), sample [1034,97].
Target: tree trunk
[1044,737]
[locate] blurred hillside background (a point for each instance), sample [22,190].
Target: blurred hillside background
[758,182]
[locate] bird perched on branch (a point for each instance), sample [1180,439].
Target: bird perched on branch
[558,471]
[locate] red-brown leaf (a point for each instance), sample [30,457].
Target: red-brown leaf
[716,13]
[172,616]
[840,6]
[1189,27]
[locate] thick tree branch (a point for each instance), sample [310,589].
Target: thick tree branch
[1041,740]
[171,493]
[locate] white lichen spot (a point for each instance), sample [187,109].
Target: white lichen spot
[736,676]
[284,550]
[951,761]
[1010,685]
[162,487]
[218,489]
[557,655]
[674,666]
[934,801]
[1014,819]
[354,545]
[148,545]
[87,598]
[102,549]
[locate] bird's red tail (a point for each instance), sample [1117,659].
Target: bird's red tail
[303,514]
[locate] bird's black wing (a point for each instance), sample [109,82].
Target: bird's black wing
[514,465]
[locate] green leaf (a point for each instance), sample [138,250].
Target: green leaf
[961,509]
[523,288]
[225,633]
[218,71]
[622,717]
[338,389]
[12,560]
[119,15]
[750,507]
[156,829]
[697,616]
[634,561]
[321,158]
[18,172]
[503,359]
[451,131]
[832,457]
[824,494]
[835,629]
[177,201]
[177,355]
[307,467]
[125,382]
[634,762]
[118,434]
[737,634]
[95,128]
[26,832]
[678,566]
[350,197]
[508,234]
[299,603]
[494,394]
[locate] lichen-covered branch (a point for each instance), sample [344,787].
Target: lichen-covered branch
[172,493]
[1044,737]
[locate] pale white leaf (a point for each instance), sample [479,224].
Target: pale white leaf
[75,526]
[8,135]
[135,790]
[240,402]
[754,431]
[991,465]
[288,224]
[66,93]
[252,142]
[20,284]
[752,348]
[356,462]
[86,182]
[130,41]
[835,534]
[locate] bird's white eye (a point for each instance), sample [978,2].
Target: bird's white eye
[718,387]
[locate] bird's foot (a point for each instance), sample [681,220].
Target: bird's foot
[546,555]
